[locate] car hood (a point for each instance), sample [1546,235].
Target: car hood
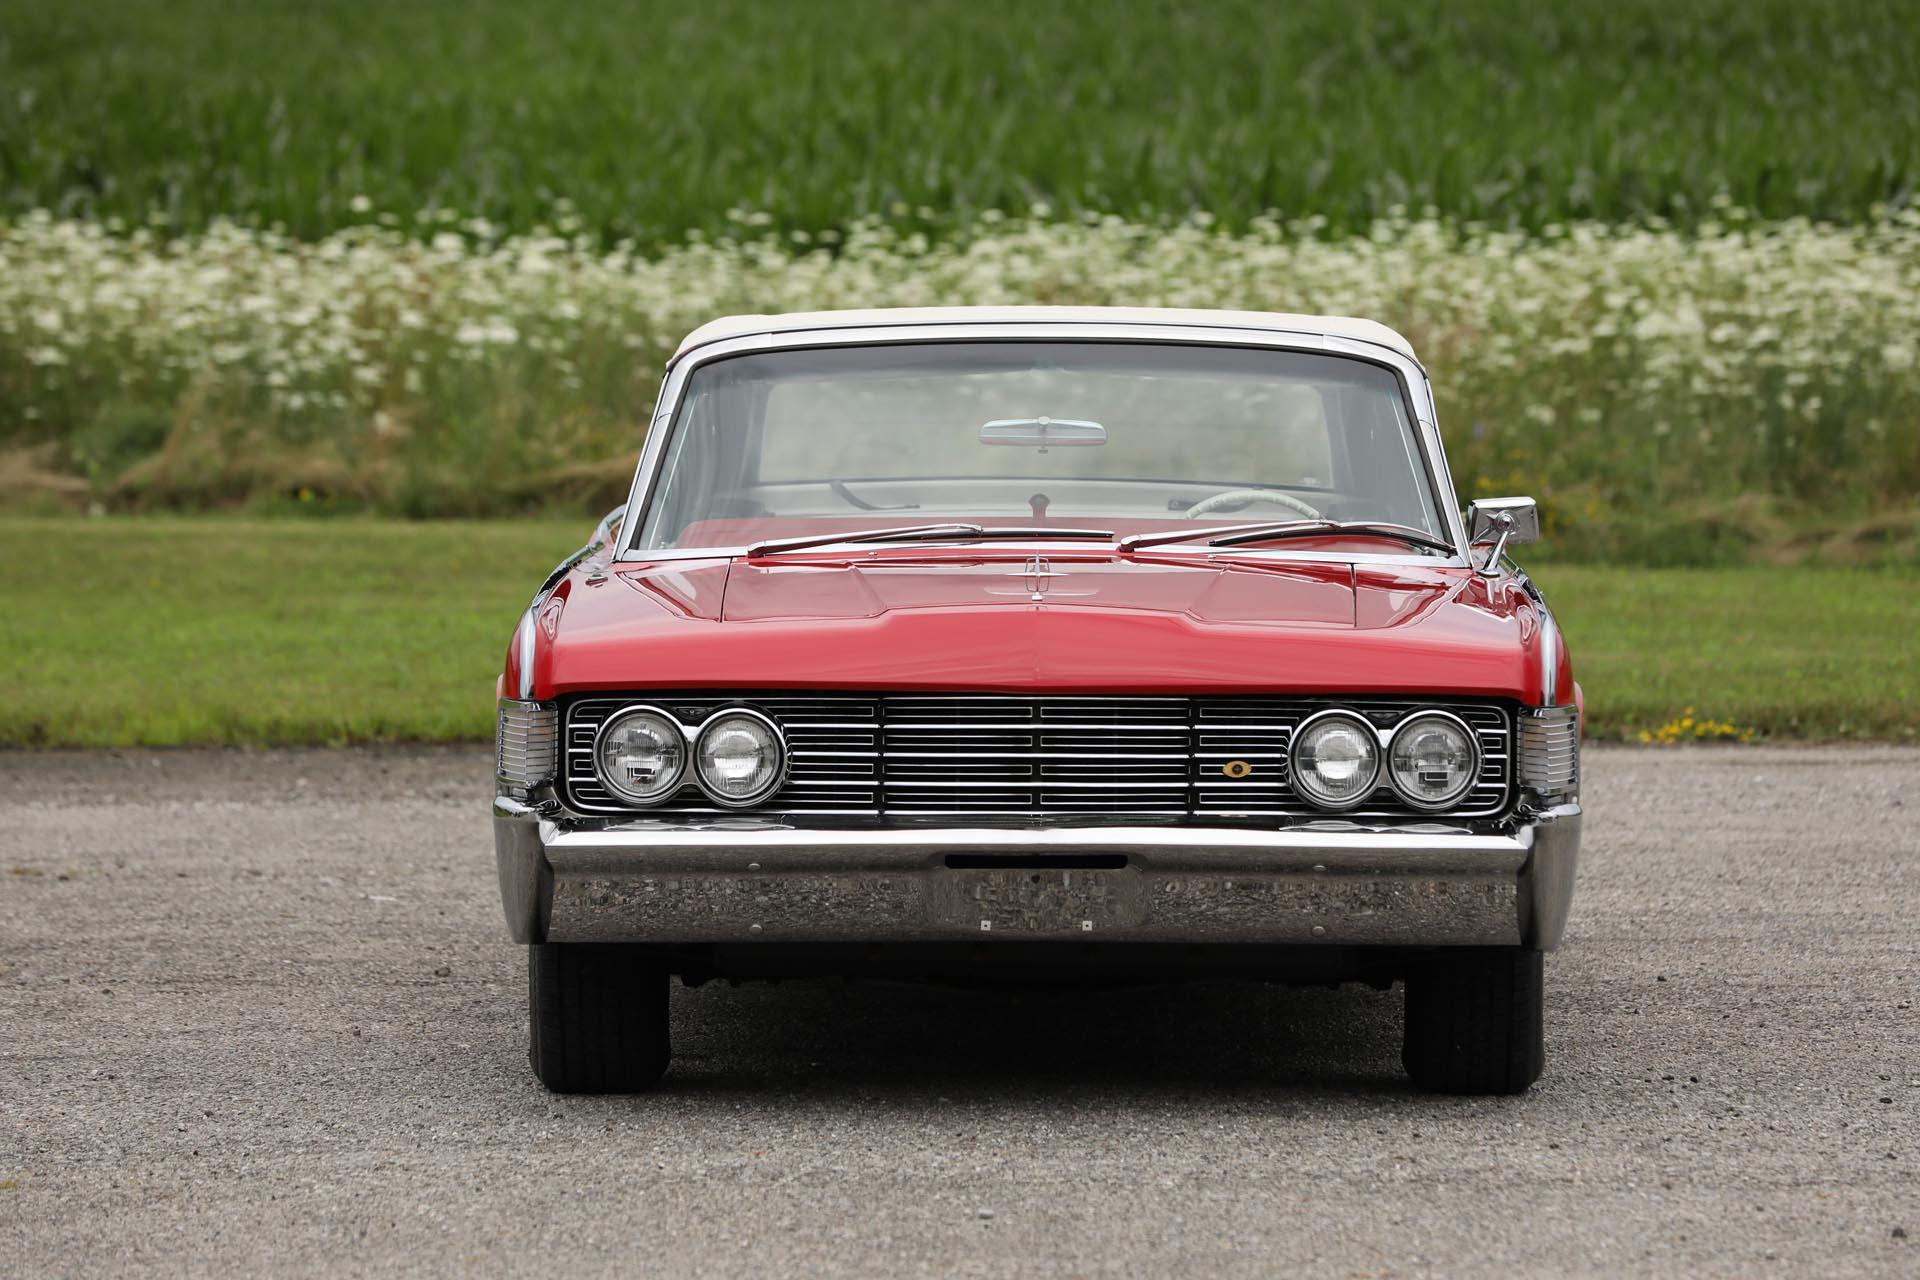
[1091,622]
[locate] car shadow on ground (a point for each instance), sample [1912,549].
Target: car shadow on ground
[831,1037]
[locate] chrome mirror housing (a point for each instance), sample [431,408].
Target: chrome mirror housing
[1501,522]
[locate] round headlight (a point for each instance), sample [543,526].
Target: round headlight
[1433,760]
[739,758]
[1335,760]
[641,755]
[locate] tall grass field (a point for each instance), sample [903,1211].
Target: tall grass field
[657,116]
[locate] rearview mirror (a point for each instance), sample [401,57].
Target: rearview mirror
[1043,433]
[1501,522]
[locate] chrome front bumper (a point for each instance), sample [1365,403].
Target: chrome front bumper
[728,880]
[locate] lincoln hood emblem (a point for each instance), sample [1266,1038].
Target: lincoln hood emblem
[1038,569]
[1037,577]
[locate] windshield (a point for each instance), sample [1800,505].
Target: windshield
[1129,436]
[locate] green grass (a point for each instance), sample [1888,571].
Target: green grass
[166,632]
[223,631]
[659,116]
[1807,652]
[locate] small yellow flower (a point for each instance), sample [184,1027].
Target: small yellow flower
[1687,727]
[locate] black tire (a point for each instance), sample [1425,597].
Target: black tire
[598,1017]
[1474,1021]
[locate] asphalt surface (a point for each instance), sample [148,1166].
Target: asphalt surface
[258,1015]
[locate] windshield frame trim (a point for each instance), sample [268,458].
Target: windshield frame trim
[1416,392]
[1077,548]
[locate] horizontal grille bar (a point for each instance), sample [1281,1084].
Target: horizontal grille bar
[999,756]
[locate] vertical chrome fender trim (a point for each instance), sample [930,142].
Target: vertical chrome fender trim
[525,641]
[1549,656]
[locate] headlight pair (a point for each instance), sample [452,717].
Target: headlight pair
[737,757]
[1431,759]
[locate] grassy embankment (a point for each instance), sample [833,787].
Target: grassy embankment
[219,631]
[1747,392]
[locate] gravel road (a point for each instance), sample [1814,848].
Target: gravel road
[258,1014]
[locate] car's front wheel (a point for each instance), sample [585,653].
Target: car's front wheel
[1474,1020]
[598,1017]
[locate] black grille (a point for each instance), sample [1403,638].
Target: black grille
[990,755]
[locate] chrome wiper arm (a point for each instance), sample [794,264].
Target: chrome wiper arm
[1039,531]
[1272,530]
[1135,541]
[927,533]
[895,533]
[1399,532]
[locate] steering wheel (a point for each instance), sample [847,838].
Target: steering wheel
[1240,497]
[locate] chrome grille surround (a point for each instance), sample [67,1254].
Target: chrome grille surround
[915,755]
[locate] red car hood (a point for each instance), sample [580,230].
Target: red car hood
[1091,622]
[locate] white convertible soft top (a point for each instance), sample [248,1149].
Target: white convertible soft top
[1165,317]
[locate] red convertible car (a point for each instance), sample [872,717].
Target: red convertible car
[1041,644]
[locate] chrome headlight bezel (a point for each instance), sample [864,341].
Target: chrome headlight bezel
[698,758]
[677,733]
[1471,777]
[1297,773]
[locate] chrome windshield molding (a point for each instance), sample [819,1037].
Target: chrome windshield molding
[1412,375]
[1443,478]
[883,326]
[1054,550]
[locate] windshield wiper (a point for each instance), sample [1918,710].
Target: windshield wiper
[925,533]
[1241,534]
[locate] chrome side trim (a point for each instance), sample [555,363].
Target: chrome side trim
[1549,655]
[526,642]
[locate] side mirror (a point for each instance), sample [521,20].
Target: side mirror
[1500,522]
